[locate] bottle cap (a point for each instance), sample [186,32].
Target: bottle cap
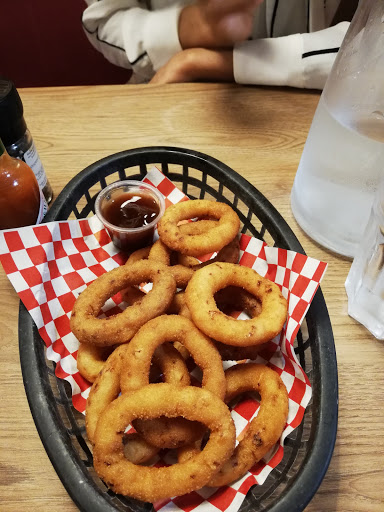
[12,123]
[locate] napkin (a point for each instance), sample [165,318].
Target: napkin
[50,264]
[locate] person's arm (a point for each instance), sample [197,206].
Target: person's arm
[197,65]
[134,37]
[131,36]
[298,60]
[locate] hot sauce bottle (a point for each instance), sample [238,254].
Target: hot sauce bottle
[21,200]
[16,137]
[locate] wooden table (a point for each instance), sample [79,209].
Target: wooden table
[260,133]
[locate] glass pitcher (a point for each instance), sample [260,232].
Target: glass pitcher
[343,157]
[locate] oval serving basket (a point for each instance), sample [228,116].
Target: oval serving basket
[307,450]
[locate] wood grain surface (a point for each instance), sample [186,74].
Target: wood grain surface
[258,132]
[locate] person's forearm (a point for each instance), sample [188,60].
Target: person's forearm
[212,65]
[197,64]
[132,36]
[296,60]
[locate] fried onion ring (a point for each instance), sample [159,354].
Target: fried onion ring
[209,319]
[265,429]
[161,253]
[171,328]
[230,254]
[170,232]
[107,384]
[193,228]
[139,254]
[177,304]
[90,360]
[104,390]
[162,432]
[137,450]
[183,270]
[120,328]
[151,483]
[132,294]
[233,298]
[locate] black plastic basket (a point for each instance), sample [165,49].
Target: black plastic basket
[307,450]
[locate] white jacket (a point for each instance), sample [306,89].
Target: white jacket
[292,41]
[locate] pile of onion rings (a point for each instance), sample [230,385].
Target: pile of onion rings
[143,398]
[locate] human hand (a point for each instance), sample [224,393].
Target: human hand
[216,23]
[197,64]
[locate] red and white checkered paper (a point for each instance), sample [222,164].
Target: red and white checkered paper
[50,264]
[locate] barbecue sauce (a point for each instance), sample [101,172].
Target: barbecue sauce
[132,211]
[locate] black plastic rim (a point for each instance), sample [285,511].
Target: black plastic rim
[37,376]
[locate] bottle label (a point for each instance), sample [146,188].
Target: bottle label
[43,208]
[31,158]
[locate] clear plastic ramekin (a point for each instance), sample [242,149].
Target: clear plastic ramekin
[129,239]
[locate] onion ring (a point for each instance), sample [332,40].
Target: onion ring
[228,225]
[179,306]
[233,298]
[241,300]
[162,432]
[120,328]
[209,319]
[193,228]
[151,483]
[138,355]
[238,299]
[177,303]
[107,384]
[183,270]
[139,254]
[104,390]
[171,328]
[132,295]
[161,253]
[90,360]
[264,430]
[137,450]
[229,253]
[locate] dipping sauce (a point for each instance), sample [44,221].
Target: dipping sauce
[130,211]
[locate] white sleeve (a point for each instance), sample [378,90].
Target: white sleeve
[131,36]
[297,60]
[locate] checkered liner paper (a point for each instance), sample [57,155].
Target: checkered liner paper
[50,264]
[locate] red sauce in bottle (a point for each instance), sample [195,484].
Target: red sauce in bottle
[19,193]
[130,211]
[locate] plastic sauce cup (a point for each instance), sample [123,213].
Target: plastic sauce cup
[130,211]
